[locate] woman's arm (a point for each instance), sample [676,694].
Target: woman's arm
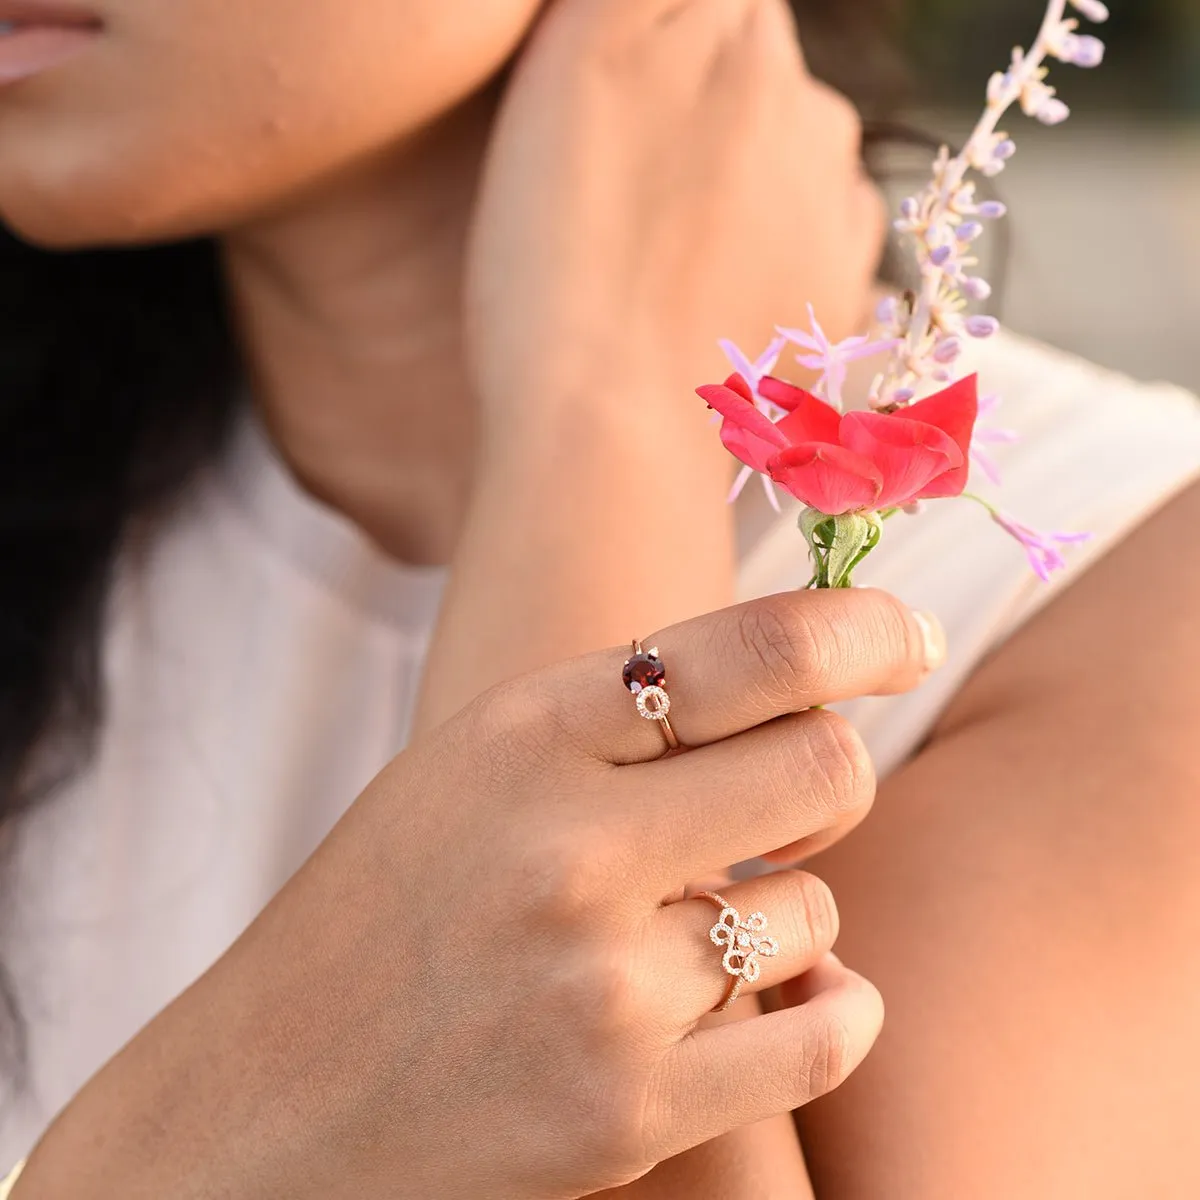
[610,252]
[1026,896]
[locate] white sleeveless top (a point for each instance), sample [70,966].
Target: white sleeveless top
[263,659]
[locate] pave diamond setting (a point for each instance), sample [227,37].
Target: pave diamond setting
[653,703]
[746,941]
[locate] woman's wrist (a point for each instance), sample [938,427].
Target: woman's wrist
[588,524]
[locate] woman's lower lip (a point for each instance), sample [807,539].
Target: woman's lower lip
[30,49]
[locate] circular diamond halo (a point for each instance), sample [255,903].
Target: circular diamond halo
[661,705]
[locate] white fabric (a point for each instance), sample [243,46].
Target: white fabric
[262,663]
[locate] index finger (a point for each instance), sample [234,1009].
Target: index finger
[731,670]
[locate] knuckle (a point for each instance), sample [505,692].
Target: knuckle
[561,879]
[842,760]
[788,649]
[846,116]
[514,728]
[828,1055]
[599,985]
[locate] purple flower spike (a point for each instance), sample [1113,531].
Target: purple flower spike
[982,327]
[992,210]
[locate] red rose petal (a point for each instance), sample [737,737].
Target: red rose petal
[809,418]
[908,454]
[746,433]
[954,411]
[831,479]
[735,383]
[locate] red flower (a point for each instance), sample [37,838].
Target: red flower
[862,461]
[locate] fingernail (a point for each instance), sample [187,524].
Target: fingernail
[935,639]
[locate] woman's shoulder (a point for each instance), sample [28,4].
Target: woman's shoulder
[1097,453]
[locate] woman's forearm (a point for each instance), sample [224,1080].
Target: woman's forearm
[590,526]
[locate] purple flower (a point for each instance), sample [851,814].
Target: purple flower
[1044,550]
[832,359]
[990,435]
[753,373]
[968,231]
[992,210]
[940,255]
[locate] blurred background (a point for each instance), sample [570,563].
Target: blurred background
[1104,238]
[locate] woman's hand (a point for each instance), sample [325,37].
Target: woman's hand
[663,173]
[474,988]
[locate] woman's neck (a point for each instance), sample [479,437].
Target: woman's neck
[348,303]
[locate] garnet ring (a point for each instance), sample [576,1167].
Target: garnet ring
[646,677]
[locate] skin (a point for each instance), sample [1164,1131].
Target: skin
[324,277]
[371,258]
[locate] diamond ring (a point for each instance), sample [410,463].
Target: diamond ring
[746,943]
[646,677]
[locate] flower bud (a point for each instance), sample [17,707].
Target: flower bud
[976,288]
[992,210]
[1086,51]
[1004,150]
[1053,112]
[1094,10]
[982,326]
[947,350]
[968,231]
[940,255]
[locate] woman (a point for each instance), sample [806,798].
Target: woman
[467,330]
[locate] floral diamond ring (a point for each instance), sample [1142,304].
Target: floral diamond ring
[745,941]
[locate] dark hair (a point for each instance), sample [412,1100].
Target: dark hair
[117,380]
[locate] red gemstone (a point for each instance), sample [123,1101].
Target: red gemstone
[643,671]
